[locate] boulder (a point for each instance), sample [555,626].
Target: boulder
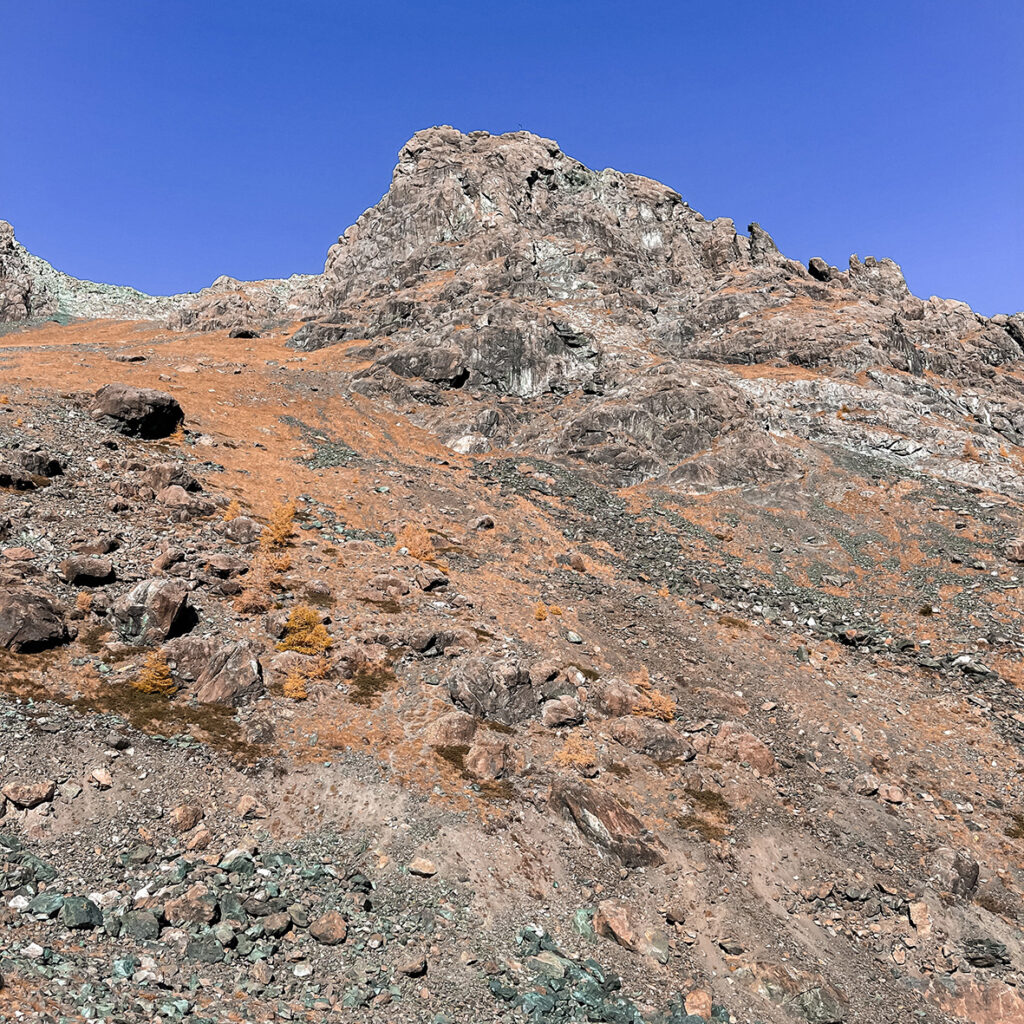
[734,743]
[454,729]
[168,474]
[27,794]
[561,711]
[498,690]
[656,740]
[329,929]
[232,674]
[153,611]
[487,758]
[242,530]
[621,922]
[30,622]
[136,412]
[606,822]
[83,571]
[954,871]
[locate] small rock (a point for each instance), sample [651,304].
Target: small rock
[422,867]
[329,929]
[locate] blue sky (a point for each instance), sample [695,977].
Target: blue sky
[163,144]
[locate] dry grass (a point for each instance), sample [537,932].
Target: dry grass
[155,676]
[416,539]
[577,753]
[304,632]
[233,511]
[652,703]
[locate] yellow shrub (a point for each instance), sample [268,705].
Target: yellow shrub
[540,611]
[295,686]
[655,704]
[576,753]
[305,633]
[416,539]
[155,676]
[233,511]
[279,531]
[554,609]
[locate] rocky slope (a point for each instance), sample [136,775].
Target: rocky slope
[563,608]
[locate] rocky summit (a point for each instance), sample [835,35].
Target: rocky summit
[562,608]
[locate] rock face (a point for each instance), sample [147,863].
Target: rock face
[137,412]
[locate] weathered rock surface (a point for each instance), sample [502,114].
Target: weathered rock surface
[138,412]
[30,622]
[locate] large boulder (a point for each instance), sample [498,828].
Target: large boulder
[30,622]
[605,822]
[657,740]
[498,690]
[137,412]
[231,674]
[153,611]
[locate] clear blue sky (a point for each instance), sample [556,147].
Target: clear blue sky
[161,144]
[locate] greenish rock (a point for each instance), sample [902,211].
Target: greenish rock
[140,924]
[205,948]
[231,910]
[46,904]
[125,966]
[583,922]
[140,854]
[239,861]
[80,912]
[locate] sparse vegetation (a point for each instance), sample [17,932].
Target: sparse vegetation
[368,682]
[155,676]
[280,529]
[577,753]
[304,632]
[652,703]
[233,511]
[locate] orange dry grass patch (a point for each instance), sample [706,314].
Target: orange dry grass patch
[652,703]
[233,511]
[416,539]
[576,753]
[295,686]
[155,676]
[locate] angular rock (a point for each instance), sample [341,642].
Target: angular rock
[498,690]
[734,743]
[606,822]
[153,611]
[24,793]
[30,622]
[329,929]
[136,412]
[83,571]
[78,912]
[954,871]
[656,740]
[232,674]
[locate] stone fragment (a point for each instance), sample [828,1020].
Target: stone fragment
[329,929]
